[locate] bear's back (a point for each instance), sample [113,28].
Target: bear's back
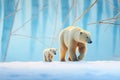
[72,28]
[68,33]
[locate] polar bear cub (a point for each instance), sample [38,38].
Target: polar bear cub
[49,54]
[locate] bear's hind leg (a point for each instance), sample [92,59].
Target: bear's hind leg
[69,59]
[62,54]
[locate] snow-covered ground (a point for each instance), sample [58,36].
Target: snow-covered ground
[97,70]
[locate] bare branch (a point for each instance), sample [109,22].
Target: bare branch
[9,15]
[114,18]
[76,6]
[28,20]
[66,18]
[16,6]
[114,8]
[100,22]
[35,38]
[109,23]
[84,12]
[108,20]
[40,40]
[55,22]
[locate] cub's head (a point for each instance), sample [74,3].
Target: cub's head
[53,50]
[84,37]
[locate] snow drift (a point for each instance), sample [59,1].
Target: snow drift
[99,70]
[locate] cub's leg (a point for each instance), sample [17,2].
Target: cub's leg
[45,58]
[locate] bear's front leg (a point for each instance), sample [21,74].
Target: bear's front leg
[82,51]
[45,58]
[81,56]
[72,54]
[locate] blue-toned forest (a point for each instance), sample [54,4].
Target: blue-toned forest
[27,27]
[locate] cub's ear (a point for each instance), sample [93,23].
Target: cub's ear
[81,32]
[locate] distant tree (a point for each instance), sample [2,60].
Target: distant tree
[9,7]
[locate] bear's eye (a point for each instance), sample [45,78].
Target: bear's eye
[80,32]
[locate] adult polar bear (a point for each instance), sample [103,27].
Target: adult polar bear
[70,38]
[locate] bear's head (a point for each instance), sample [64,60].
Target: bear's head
[53,50]
[83,36]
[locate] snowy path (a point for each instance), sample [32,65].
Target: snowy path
[99,70]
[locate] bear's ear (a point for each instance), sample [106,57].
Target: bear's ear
[50,49]
[80,32]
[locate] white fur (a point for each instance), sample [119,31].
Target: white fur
[49,54]
[69,39]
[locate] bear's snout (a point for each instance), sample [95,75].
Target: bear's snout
[90,42]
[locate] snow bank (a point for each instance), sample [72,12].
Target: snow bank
[99,70]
